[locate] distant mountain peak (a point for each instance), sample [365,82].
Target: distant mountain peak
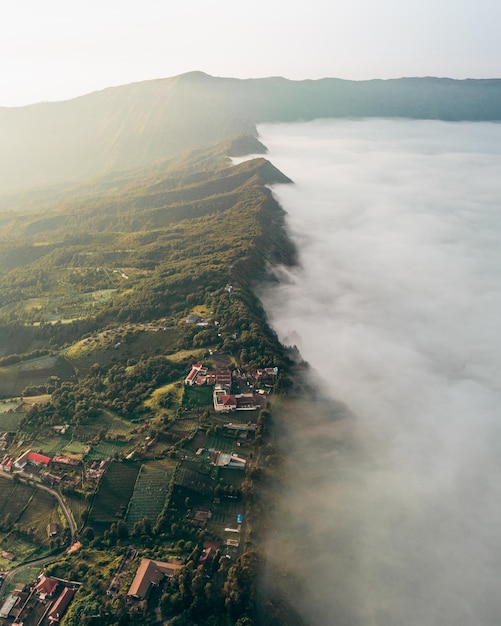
[137,124]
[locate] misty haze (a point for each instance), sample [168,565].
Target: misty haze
[393,514]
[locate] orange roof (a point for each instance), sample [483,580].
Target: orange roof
[46,585]
[229,400]
[34,457]
[150,573]
[61,604]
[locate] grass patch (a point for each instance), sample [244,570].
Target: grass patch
[24,577]
[198,396]
[121,343]
[174,389]
[201,310]
[76,448]
[192,355]
[8,405]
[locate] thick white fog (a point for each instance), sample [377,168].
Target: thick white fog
[394,513]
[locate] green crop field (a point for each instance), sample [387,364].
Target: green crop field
[9,422]
[150,492]
[14,378]
[51,444]
[105,450]
[43,510]
[117,428]
[119,343]
[223,444]
[8,378]
[13,498]
[115,490]
[78,507]
[75,448]
[185,426]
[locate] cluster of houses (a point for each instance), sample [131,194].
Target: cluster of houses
[27,459]
[201,375]
[49,596]
[224,401]
[152,573]
[45,467]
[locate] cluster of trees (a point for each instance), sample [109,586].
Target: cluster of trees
[118,387]
[198,596]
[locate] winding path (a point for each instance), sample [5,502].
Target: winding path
[51,557]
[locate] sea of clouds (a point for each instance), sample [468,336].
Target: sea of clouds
[393,516]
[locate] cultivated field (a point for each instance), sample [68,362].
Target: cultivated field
[9,422]
[13,498]
[105,450]
[31,510]
[35,372]
[115,490]
[150,491]
[43,510]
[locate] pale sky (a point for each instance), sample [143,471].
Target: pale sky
[59,49]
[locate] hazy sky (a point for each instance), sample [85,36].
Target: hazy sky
[58,49]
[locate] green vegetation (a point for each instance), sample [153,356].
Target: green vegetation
[115,491]
[111,294]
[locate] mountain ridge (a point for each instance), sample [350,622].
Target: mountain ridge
[137,124]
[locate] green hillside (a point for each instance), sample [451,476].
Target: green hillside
[110,289]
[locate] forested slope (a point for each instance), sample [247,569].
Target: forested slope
[123,127]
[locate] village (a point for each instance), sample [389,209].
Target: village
[201,488]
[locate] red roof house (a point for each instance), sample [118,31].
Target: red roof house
[38,459]
[60,605]
[46,586]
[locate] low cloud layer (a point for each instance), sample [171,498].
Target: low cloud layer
[393,517]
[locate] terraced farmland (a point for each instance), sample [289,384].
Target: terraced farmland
[150,492]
